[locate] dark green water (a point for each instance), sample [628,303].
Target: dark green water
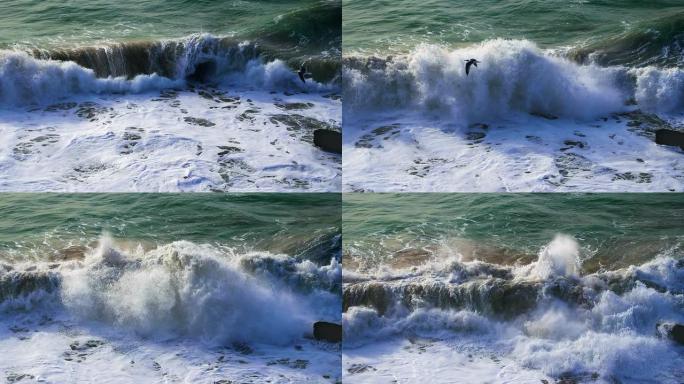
[310,25]
[614,230]
[38,225]
[386,27]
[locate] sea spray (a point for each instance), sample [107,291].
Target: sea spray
[545,315]
[44,76]
[560,258]
[515,76]
[27,80]
[183,290]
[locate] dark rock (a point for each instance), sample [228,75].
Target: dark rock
[370,294]
[328,140]
[203,72]
[544,115]
[669,137]
[293,106]
[672,331]
[475,136]
[17,377]
[360,368]
[301,126]
[243,348]
[198,121]
[326,331]
[574,143]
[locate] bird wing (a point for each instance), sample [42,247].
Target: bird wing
[475,63]
[468,64]
[301,76]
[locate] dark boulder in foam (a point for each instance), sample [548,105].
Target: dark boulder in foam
[672,331]
[203,72]
[326,331]
[328,140]
[670,137]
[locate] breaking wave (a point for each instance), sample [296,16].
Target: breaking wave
[133,67]
[183,289]
[515,76]
[546,315]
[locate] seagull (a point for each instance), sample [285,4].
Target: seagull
[469,63]
[303,74]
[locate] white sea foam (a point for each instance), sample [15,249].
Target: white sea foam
[418,123]
[146,143]
[561,257]
[578,328]
[180,312]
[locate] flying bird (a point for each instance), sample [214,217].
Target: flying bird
[469,63]
[303,74]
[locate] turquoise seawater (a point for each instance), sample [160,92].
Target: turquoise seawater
[41,226]
[60,24]
[630,31]
[614,230]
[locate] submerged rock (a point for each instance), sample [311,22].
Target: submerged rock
[326,331]
[669,137]
[328,140]
[672,331]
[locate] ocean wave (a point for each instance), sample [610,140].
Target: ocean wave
[546,314]
[515,76]
[506,292]
[44,75]
[183,289]
[655,42]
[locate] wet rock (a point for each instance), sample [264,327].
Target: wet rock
[203,71]
[327,140]
[544,115]
[79,352]
[228,150]
[572,144]
[669,137]
[77,346]
[371,140]
[14,284]
[360,368]
[17,377]
[333,96]
[168,94]
[130,139]
[301,126]
[672,331]
[326,331]
[60,107]
[644,124]
[243,348]
[571,164]
[24,150]
[231,170]
[534,139]
[641,177]
[198,121]
[90,110]
[295,364]
[370,294]
[475,136]
[422,167]
[293,106]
